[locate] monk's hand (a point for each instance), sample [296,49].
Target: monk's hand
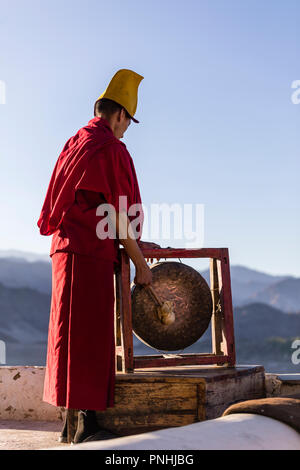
[143,275]
[148,246]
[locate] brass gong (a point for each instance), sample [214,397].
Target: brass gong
[191,299]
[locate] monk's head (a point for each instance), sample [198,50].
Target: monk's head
[116,115]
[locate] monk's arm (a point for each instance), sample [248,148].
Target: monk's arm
[123,230]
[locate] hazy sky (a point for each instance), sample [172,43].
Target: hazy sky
[217,124]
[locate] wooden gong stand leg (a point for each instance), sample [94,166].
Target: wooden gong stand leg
[228,346]
[125,315]
[216,319]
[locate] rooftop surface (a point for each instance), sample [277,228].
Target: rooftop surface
[29,435]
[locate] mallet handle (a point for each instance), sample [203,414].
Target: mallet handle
[154,295]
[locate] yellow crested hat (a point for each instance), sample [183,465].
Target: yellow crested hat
[123,89]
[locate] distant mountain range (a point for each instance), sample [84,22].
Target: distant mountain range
[262,333]
[19,272]
[261,329]
[27,255]
[24,315]
[18,269]
[249,285]
[284,295]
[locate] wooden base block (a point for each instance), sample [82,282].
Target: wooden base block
[163,397]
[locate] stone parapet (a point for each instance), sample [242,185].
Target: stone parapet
[21,392]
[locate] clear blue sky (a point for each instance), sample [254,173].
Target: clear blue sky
[217,123]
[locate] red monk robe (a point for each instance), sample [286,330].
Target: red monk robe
[93,167]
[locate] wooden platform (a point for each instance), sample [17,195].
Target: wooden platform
[152,399]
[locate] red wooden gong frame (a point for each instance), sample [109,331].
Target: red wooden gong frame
[223,345]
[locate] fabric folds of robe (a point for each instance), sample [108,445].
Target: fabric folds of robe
[92,162]
[80,369]
[93,168]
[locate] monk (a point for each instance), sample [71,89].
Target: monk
[94,168]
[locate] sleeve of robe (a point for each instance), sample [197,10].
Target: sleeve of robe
[109,175]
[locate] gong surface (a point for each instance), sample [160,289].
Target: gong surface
[192,304]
